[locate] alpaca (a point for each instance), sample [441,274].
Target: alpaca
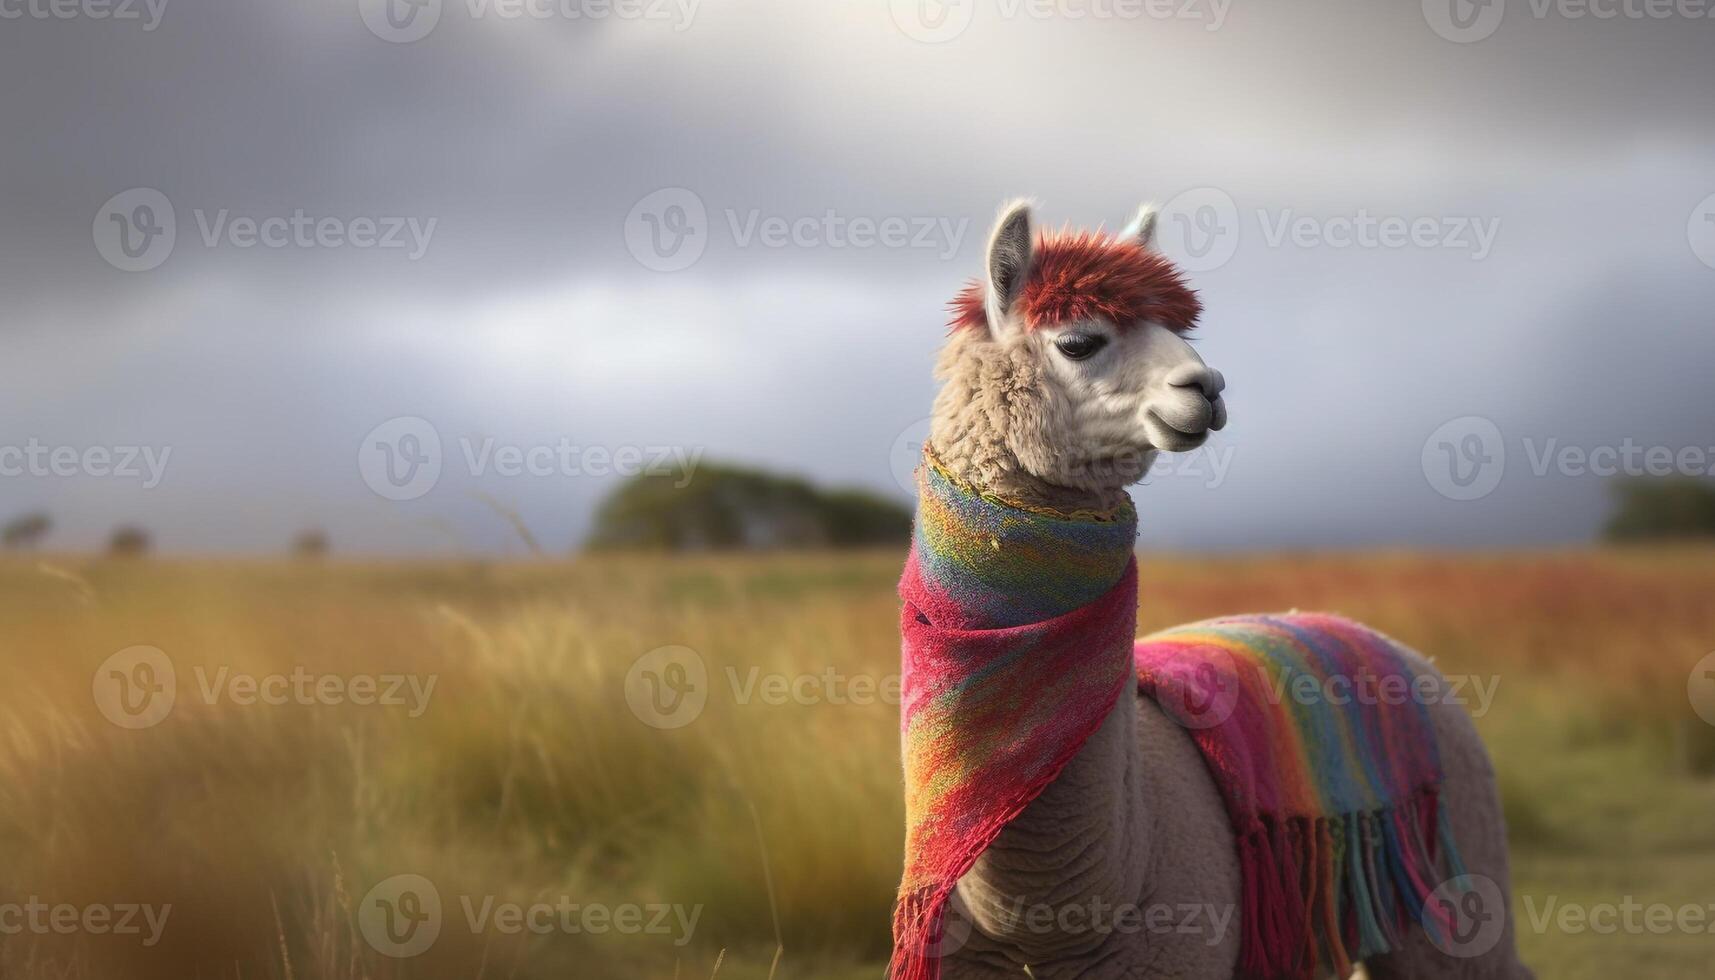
[1056,397]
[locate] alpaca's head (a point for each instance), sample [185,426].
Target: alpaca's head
[1067,358]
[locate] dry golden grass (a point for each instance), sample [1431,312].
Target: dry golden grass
[529,776]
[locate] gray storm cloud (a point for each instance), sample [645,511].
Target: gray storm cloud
[1411,231]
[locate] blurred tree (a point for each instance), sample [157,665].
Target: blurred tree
[128,542]
[311,544]
[26,530]
[1663,508]
[723,508]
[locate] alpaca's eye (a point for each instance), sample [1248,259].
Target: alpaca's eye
[1078,346]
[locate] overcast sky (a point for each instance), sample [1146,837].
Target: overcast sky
[728,229]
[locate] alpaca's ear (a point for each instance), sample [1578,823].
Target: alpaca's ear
[1008,260]
[1142,227]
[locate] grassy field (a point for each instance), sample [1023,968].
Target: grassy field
[533,773]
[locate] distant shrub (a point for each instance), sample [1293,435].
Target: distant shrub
[311,544]
[128,542]
[26,530]
[1697,747]
[730,508]
[1665,508]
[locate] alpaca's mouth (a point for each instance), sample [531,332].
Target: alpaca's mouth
[1167,437]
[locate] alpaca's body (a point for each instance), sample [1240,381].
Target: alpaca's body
[1136,818]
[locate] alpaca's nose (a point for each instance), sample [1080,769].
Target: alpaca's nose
[1200,376]
[1206,381]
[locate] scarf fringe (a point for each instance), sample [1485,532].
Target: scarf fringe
[1329,891]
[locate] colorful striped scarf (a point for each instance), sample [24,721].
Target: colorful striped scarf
[1017,634]
[1017,631]
[1319,738]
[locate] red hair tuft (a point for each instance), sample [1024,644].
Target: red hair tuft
[1087,275]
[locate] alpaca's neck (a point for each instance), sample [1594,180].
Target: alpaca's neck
[1076,854]
[1081,846]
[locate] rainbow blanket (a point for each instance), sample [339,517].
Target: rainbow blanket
[1017,631]
[1318,735]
